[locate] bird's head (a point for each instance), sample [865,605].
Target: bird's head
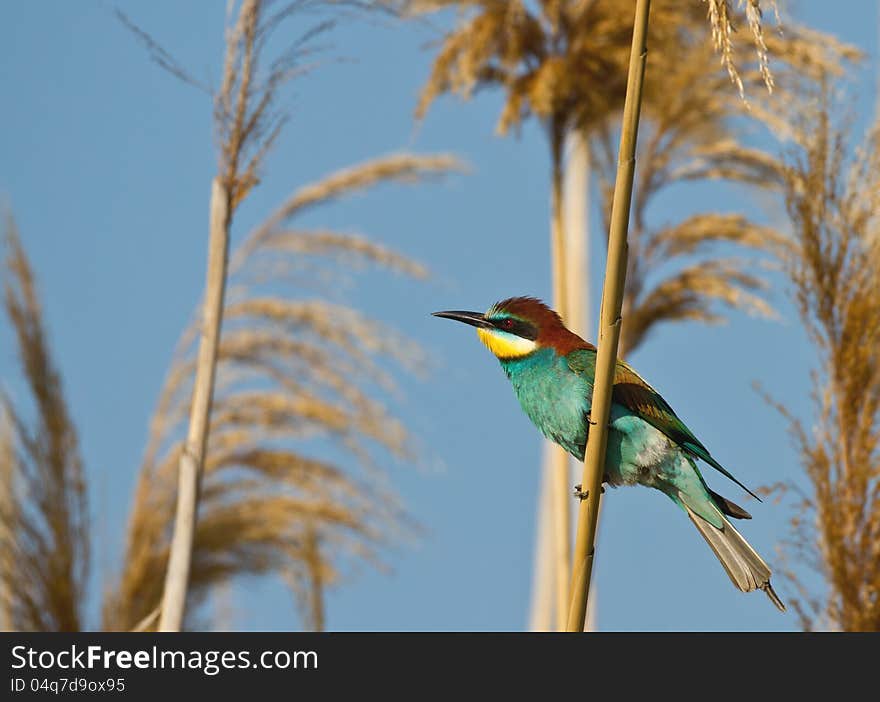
[517,327]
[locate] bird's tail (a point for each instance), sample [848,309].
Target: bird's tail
[746,568]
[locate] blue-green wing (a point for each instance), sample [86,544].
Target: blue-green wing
[632,392]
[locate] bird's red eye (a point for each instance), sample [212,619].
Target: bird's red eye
[507,323]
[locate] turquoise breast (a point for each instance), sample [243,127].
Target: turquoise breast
[553,397]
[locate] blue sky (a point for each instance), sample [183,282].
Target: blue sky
[106,162]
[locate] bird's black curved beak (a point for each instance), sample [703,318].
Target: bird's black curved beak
[475,319]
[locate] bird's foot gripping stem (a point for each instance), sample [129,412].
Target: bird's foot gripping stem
[592,423]
[582,494]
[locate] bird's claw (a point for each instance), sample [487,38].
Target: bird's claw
[582,494]
[593,423]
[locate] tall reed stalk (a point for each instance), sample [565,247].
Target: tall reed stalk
[192,458]
[609,325]
[247,129]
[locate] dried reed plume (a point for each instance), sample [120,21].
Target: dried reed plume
[722,21]
[676,271]
[297,377]
[286,370]
[291,370]
[247,125]
[246,130]
[44,540]
[695,131]
[833,201]
[566,60]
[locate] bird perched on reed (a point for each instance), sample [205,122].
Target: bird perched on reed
[552,371]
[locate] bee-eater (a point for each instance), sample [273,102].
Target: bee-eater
[552,371]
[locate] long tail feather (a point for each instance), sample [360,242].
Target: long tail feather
[747,570]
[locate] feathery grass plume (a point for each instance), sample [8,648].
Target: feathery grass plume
[247,125]
[721,19]
[833,201]
[695,130]
[674,270]
[298,376]
[795,46]
[44,541]
[565,61]
[241,113]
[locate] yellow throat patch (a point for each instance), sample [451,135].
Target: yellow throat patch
[505,345]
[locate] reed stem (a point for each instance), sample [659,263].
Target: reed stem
[192,458]
[609,324]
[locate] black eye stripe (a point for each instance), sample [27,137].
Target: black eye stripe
[520,327]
